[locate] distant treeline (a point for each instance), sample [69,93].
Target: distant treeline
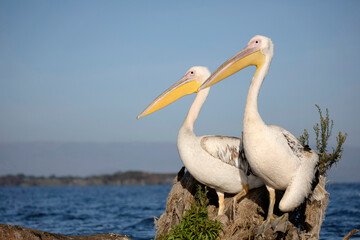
[119,178]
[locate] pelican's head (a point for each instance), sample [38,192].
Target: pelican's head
[188,84]
[259,50]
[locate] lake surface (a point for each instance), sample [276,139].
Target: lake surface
[130,210]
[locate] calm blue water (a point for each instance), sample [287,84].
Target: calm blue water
[126,210]
[130,210]
[343,212]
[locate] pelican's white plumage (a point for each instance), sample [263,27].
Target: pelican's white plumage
[215,161]
[274,154]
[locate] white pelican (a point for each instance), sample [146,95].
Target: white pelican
[215,161]
[274,154]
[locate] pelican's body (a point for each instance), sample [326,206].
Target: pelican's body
[215,161]
[276,173]
[207,169]
[274,154]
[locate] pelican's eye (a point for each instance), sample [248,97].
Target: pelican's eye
[191,74]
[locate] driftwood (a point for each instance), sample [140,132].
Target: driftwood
[350,234]
[303,223]
[9,232]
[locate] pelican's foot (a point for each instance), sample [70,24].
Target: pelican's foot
[264,227]
[237,197]
[233,210]
[277,224]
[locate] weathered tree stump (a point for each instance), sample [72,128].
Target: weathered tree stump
[303,223]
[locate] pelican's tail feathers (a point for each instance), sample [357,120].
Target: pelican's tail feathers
[300,185]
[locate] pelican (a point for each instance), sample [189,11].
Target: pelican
[274,154]
[215,161]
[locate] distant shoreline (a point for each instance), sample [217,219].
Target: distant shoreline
[116,179]
[127,178]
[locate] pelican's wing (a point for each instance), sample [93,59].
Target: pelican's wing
[226,149]
[293,142]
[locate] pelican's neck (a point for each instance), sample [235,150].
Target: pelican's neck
[195,110]
[251,113]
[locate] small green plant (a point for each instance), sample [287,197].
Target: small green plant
[323,131]
[195,223]
[304,139]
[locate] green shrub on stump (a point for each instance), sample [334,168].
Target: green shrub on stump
[323,131]
[195,223]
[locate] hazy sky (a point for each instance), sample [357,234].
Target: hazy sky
[82,71]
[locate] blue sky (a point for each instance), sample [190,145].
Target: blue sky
[81,71]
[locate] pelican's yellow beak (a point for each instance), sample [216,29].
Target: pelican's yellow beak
[251,55]
[186,85]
